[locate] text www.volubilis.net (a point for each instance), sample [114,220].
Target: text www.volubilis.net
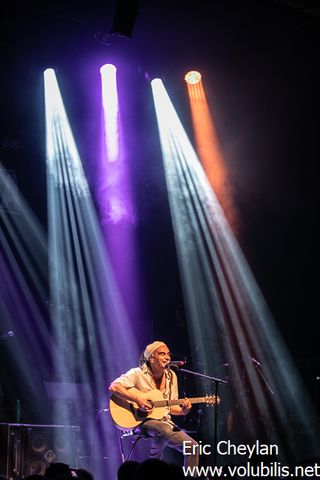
[262,470]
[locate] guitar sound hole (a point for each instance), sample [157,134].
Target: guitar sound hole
[141,414]
[138,414]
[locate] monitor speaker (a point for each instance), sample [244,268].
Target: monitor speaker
[28,449]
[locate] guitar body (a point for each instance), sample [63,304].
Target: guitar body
[126,415]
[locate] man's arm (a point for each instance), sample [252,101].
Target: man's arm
[122,392]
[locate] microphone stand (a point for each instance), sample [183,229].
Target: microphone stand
[259,370]
[215,382]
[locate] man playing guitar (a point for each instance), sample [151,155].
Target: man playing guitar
[152,374]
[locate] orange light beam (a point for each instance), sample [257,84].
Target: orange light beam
[209,151]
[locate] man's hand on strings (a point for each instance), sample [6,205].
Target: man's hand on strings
[186,407]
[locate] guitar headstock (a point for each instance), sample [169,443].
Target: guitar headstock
[212,400]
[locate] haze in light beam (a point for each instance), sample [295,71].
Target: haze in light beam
[88,317]
[209,151]
[60,142]
[24,297]
[228,319]
[116,200]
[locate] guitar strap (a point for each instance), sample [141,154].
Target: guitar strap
[176,428]
[170,383]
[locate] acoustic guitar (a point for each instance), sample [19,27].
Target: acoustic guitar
[127,415]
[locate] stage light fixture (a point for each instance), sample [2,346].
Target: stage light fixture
[124,19]
[192,77]
[111,111]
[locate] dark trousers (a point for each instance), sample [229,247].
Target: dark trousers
[167,435]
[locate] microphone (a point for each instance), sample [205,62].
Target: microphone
[176,363]
[6,335]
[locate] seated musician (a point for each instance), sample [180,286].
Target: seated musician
[153,373]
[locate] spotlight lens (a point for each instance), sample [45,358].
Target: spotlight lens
[108,68]
[193,77]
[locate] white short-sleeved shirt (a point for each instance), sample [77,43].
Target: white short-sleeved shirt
[142,379]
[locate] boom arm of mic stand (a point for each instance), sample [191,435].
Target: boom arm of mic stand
[202,375]
[258,368]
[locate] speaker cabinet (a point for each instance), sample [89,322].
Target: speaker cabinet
[27,449]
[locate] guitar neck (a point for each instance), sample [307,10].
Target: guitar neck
[179,401]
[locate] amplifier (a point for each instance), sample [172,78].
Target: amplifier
[27,449]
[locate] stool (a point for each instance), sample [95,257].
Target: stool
[132,434]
